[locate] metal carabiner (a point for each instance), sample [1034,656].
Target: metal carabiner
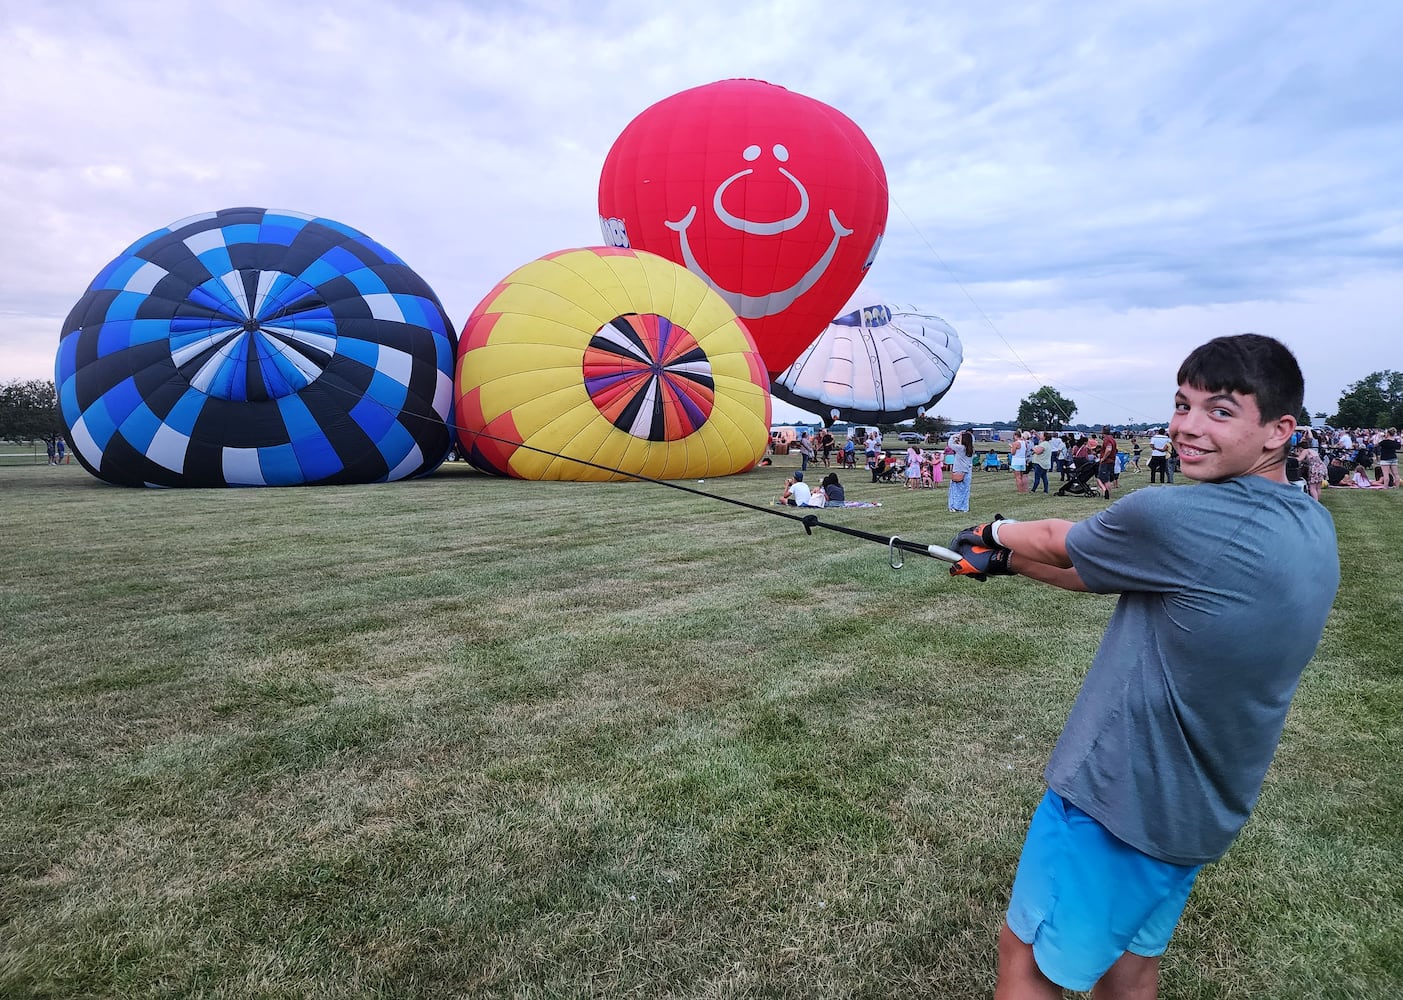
[896,560]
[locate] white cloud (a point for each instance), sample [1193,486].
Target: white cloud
[1085,195]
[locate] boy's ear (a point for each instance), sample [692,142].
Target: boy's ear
[1281,430]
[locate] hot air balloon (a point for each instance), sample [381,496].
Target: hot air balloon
[601,364]
[251,347]
[880,363]
[777,200]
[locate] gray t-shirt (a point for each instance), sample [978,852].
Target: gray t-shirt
[1224,588]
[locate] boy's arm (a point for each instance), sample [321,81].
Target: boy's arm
[1043,541]
[1040,552]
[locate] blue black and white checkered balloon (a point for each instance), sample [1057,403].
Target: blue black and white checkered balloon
[252,347]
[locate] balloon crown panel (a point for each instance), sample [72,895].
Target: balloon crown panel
[252,347]
[603,363]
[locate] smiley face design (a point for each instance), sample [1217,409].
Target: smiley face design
[777,201]
[750,306]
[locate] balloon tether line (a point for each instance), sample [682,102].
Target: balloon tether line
[809,521]
[894,543]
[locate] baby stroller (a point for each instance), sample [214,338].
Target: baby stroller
[1082,483]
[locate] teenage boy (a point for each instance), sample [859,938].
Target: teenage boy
[1163,755]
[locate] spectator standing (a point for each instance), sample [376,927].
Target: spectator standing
[806,451]
[1018,461]
[1041,461]
[1106,462]
[961,470]
[1159,456]
[1388,457]
[1313,469]
[1056,448]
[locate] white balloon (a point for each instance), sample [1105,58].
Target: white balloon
[880,363]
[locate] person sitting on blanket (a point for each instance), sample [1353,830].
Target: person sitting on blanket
[796,491]
[832,490]
[1360,480]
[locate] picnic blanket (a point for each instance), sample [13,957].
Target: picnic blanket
[831,506]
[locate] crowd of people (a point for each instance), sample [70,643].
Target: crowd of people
[1349,459]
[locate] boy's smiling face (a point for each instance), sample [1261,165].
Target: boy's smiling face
[1220,435]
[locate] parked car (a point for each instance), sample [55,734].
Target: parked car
[911,437]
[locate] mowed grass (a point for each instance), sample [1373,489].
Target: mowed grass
[465,737]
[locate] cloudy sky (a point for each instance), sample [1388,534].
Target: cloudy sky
[1084,190]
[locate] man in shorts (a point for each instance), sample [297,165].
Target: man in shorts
[1106,462]
[1163,755]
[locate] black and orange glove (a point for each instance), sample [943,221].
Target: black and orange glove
[980,561]
[982,534]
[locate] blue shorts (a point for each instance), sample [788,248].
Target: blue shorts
[1081,897]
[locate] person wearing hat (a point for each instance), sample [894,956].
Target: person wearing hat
[796,491]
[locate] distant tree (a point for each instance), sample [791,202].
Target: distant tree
[930,426]
[29,412]
[1376,401]
[1047,410]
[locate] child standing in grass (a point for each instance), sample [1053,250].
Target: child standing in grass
[1163,755]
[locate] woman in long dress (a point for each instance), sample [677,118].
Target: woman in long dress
[964,463]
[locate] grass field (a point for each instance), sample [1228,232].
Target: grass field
[464,737]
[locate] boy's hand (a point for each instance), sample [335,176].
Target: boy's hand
[982,534]
[979,561]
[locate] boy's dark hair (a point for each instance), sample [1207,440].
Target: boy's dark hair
[1251,364]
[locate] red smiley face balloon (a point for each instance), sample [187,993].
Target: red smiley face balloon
[776,200]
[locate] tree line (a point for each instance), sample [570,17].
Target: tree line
[1374,401]
[29,409]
